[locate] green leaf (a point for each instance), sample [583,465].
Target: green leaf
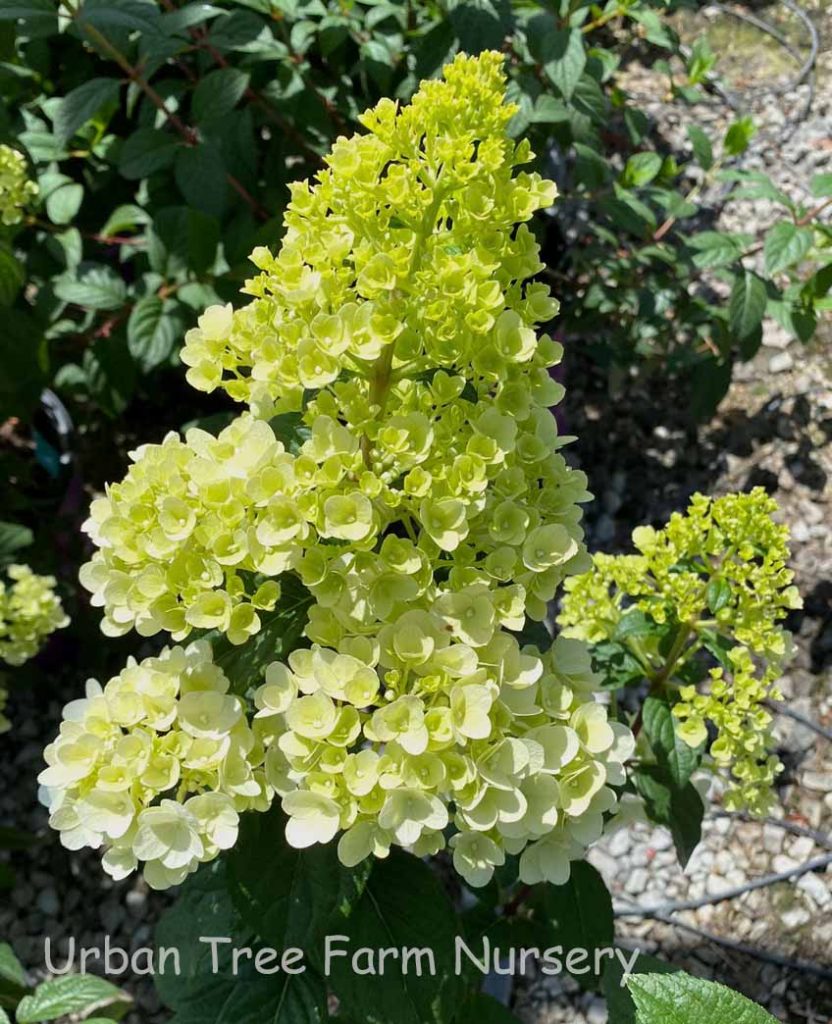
[635,623]
[620,1005]
[12,274]
[125,218]
[152,331]
[64,202]
[28,10]
[183,241]
[674,756]
[403,904]
[11,969]
[747,304]
[714,249]
[579,915]
[710,381]
[641,169]
[785,245]
[680,999]
[565,59]
[738,136]
[702,148]
[821,185]
[147,151]
[681,810]
[200,995]
[97,288]
[218,93]
[304,895]
[201,177]
[72,993]
[125,14]
[718,594]
[83,103]
[13,537]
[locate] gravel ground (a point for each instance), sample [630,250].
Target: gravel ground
[774,429]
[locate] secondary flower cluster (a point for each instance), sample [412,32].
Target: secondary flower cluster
[420,497]
[16,190]
[166,728]
[718,577]
[29,611]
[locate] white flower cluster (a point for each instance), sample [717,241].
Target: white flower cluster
[155,767]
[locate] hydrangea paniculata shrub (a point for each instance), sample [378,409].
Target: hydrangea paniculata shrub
[425,505]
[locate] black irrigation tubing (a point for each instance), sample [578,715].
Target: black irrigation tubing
[767,956]
[787,712]
[819,838]
[818,864]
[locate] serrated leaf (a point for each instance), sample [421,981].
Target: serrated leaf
[785,245]
[218,93]
[147,151]
[96,287]
[681,810]
[620,1005]
[579,915]
[72,993]
[680,999]
[565,60]
[714,249]
[83,103]
[702,148]
[747,304]
[152,331]
[678,759]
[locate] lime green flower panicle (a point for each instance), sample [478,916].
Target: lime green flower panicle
[717,573]
[16,189]
[427,508]
[30,611]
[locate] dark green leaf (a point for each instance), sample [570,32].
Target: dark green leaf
[183,241]
[147,151]
[201,177]
[12,274]
[718,594]
[674,756]
[681,810]
[218,93]
[710,381]
[81,104]
[484,1009]
[200,995]
[403,905]
[11,969]
[579,916]
[747,304]
[23,358]
[13,537]
[304,895]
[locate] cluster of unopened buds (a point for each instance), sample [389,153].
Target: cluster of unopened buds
[17,190]
[423,503]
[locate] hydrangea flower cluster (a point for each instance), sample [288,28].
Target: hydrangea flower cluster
[155,767]
[29,611]
[423,502]
[16,190]
[717,575]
